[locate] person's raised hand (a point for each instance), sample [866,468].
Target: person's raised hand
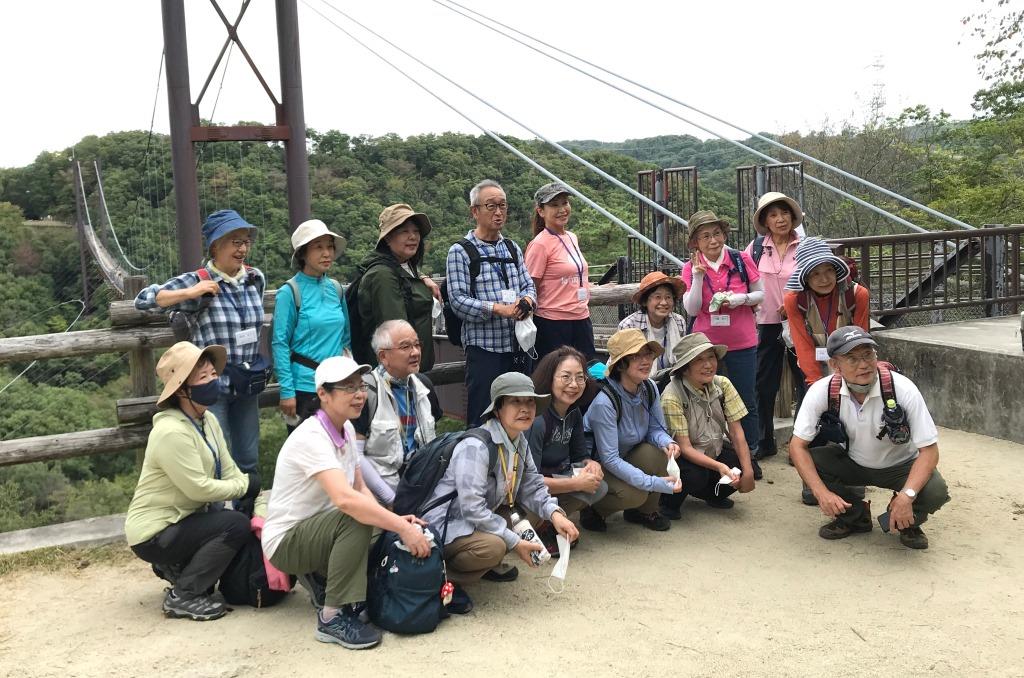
[203,287]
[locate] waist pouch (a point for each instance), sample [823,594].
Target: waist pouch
[248,379]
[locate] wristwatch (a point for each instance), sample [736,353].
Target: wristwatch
[909,491]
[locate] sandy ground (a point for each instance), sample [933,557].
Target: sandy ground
[752,591]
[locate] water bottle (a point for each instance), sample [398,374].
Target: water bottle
[523,528]
[895,421]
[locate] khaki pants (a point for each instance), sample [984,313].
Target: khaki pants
[621,495]
[468,558]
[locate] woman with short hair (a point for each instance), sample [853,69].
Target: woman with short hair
[657,297]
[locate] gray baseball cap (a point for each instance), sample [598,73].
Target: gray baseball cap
[549,192]
[845,339]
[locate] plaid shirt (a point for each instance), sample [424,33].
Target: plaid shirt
[675,416]
[480,327]
[236,308]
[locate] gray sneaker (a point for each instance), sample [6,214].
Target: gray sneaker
[346,630]
[200,608]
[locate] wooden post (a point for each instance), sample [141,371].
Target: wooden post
[140,361]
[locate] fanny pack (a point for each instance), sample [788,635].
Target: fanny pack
[247,379]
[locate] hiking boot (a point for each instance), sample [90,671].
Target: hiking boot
[199,608]
[316,584]
[592,520]
[346,630]
[757,469]
[913,537]
[840,528]
[652,521]
[461,602]
[807,497]
[502,573]
[720,502]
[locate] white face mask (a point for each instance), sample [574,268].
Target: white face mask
[556,582]
[435,312]
[526,334]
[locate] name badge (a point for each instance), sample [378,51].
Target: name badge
[721,320]
[820,354]
[508,296]
[582,294]
[244,337]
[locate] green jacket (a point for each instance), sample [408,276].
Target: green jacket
[177,476]
[389,292]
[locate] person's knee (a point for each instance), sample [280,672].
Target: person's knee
[934,494]
[488,548]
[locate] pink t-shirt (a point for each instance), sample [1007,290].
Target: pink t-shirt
[774,275]
[741,332]
[560,270]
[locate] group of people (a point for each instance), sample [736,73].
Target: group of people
[673,412]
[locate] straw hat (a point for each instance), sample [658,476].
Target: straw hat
[515,384]
[177,364]
[769,199]
[655,280]
[691,346]
[310,230]
[703,218]
[812,252]
[393,216]
[629,342]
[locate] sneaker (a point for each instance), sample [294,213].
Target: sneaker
[502,573]
[592,520]
[200,608]
[652,521]
[757,469]
[720,502]
[839,528]
[807,497]
[461,602]
[346,630]
[316,584]
[913,537]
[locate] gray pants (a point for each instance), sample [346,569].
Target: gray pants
[839,473]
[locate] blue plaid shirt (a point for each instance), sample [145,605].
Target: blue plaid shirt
[237,307]
[480,327]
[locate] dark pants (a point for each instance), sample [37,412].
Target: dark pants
[741,368]
[304,401]
[202,545]
[482,368]
[700,482]
[551,334]
[772,355]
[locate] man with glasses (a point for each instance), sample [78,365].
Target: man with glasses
[490,303]
[400,411]
[907,466]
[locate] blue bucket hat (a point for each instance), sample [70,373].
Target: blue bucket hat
[222,222]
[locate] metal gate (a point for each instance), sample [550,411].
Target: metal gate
[753,181]
[676,190]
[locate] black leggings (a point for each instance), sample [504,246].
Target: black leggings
[699,481]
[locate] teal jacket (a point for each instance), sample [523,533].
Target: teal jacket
[319,330]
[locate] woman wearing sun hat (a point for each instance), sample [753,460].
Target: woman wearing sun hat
[657,297]
[703,411]
[391,286]
[311,318]
[225,297]
[629,436]
[777,222]
[176,519]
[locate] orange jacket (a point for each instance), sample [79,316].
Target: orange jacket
[802,340]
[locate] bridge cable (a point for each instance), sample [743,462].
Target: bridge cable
[66,330]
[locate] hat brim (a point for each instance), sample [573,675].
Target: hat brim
[689,356]
[361,369]
[675,283]
[794,206]
[339,245]
[541,401]
[657,348]
[692,232]
[798,280]
[217,355]
[854,344]
[422,223]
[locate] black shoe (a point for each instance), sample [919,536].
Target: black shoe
[913,538]
[672,509]
[841,528]
[511,574]
[652,521]
[757,469]
[807,497]
[720,502]
[461,602]
[592,520]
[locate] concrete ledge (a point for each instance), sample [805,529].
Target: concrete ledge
[80,533]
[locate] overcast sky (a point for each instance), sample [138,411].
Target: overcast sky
[78,68]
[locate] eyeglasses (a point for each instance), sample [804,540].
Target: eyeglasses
[239,244]
[494,206]
[565,378]
[406,346]
[711,235]
[362,387]
[859,359]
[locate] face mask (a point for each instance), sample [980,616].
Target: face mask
[861,389]
[526,335]
[435,312]
[205,394]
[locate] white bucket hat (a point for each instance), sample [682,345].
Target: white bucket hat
[310,230]
[769,199]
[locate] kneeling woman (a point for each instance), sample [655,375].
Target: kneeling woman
[321,514]
[478,532]
[629,436]
[703,411]
[176,519]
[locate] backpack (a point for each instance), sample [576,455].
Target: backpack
[244,582]
[360,333]
[803,302]
[293,284]
[737,263]
[452,322]
[757,251]
[650,392]
[831,428]
[427,466]
[405,593]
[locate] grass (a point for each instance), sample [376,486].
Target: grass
[59,559]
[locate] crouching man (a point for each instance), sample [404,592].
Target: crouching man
[890,442]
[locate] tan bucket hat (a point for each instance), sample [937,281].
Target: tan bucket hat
[703,218]
[629,342]
[393,216]
[767,200]
[657,279]
[310,230]
[178,362]
[691,346]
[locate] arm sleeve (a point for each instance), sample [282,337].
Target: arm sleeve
[285,318]
[178,458]
[471,467]
[862,316]
[380,296]
[146,299]
[533,494]
[346,326]
[600,420]
[675,417]
[375,483]
[657,431]
[756,294]
[577,444]
[535,439]
[803,344]
[814,404]
[693,298]
[457,271]
[922,427]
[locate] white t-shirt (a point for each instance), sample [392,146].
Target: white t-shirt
[863,422]
[297,494]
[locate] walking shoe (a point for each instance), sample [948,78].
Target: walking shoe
[839,528]
[461,602]
[502,573]
[720,502]
[913,537]
[316,584]
[652,521]
[346,630]
[757,469]
[200,608]
[670,511]
[807,497]
[592,520]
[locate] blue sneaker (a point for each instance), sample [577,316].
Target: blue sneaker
[346,630]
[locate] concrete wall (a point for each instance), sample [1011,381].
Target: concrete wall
[970,373]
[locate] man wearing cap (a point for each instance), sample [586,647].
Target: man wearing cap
[907,468]
[321,514]
[400,409]
[657,297]
[490,304]
[390,286]
[225,299]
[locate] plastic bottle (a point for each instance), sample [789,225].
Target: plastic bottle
[523,528]
[895,420]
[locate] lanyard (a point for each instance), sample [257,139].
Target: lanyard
[728,282]
[510,478]
[241,309]
[578,263]
[216,457]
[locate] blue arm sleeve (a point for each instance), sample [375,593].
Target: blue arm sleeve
[285,318]
[346,326]
[657,429]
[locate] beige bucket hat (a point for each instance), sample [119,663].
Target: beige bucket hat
[769,199]
[691,346]
[310,230]
[703,218]
[629,342]
[178,362]
[393,216]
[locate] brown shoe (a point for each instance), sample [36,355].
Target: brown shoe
[840,528]
[913,537]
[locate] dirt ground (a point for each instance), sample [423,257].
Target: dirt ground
[748,592]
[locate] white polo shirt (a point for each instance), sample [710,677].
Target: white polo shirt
[863,422]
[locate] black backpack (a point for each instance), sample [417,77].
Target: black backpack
[404,592]
[650,391]
[757,251]
[427,466]
[452,322]
[360,333]
[244,582]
